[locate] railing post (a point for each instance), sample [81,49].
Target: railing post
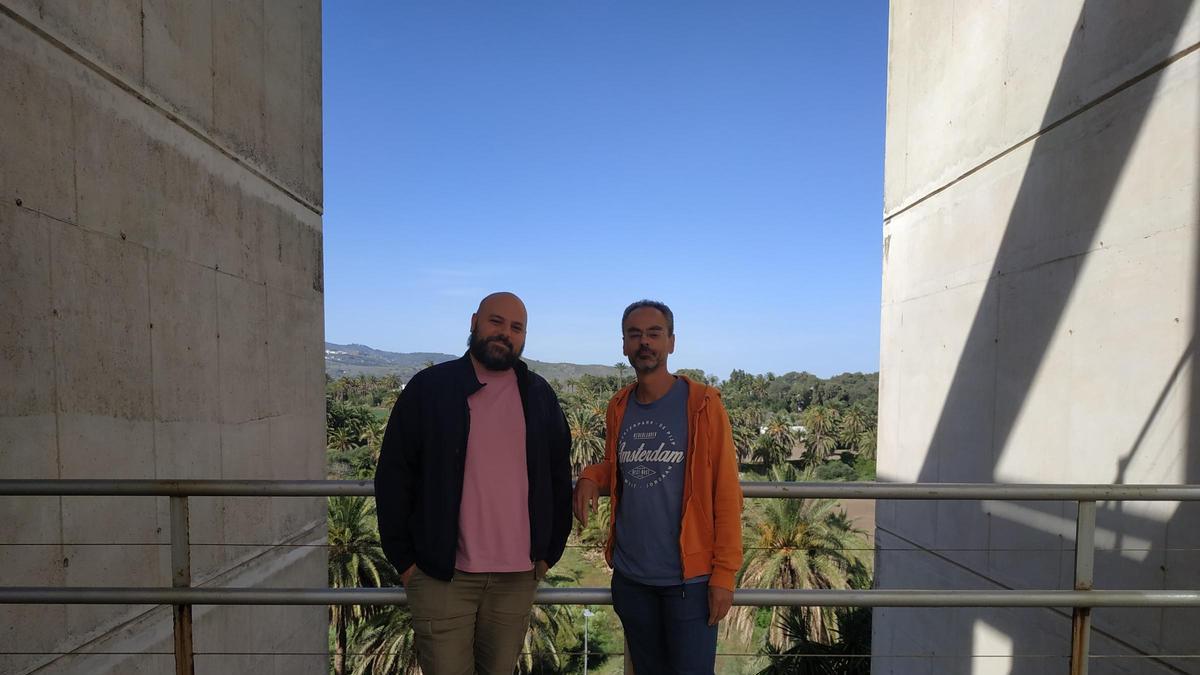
[1085,557]
[181,577]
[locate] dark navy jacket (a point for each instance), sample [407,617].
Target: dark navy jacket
[418,483]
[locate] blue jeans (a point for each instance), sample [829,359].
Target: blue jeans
[666,627]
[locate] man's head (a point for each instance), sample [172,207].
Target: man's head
[498,331]
[648,330]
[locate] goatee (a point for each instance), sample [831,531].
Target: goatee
[641,366]
[493,358]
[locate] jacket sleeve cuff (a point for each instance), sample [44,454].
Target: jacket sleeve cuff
[597,473]
[722,578]
[399,561]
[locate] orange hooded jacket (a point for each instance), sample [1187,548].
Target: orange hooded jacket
[710,537]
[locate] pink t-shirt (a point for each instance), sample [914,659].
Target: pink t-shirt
[493,519]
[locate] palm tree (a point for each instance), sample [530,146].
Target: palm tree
[389,399]
[821,420]
[599,406]
[371,432]
[622,369]
[799,543]
[774,445]
[539,649]
[758,388]
[821,424]
[360,385]
[853,423]
[587,435]
[817,448]
[342,439]
[779,430]
[867,442]
[768,452]
[356,560]
[745,424]
[385,642]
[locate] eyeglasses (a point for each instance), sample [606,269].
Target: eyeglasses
[635,335]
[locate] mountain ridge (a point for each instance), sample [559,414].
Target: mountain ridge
[351,360]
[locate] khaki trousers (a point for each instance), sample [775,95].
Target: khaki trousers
[474,623]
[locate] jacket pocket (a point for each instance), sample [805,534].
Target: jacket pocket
[699,529]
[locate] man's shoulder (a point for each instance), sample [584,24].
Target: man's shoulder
[707,400]
[702,392]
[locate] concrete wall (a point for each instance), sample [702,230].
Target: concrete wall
[1040,294]
[160,316]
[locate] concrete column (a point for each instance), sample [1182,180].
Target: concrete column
[161,315]
[1040,284]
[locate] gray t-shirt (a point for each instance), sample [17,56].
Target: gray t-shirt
[651,450]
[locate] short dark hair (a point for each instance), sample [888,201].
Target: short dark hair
[653,304]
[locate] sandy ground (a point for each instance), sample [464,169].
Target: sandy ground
[862,514]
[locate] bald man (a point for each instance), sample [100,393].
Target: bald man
[474,495]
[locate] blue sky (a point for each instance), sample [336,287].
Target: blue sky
[726,158]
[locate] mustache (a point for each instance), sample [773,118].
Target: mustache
[499,338]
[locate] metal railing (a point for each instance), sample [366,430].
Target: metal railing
[182,596]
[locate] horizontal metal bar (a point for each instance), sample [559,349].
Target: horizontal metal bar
[329,488]
[597,651]
[972,491]
[188,488]
[600,596]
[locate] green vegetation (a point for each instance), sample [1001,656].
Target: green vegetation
[356,560]
[848,653]
[799,543]
[789,427]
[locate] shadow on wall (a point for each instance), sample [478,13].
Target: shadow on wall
[1059,206]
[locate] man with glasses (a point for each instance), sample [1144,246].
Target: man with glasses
[675,533]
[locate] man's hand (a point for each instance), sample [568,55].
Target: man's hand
[406,574]
[719,602]
[587,498]
[540,568]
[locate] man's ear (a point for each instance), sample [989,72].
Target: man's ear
[671,345]
[472,326]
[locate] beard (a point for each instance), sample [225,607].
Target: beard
[495,353]
[643,366]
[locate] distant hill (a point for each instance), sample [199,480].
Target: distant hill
[351,360]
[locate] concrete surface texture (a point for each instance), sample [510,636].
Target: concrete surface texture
[161,316]
[1040,296]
